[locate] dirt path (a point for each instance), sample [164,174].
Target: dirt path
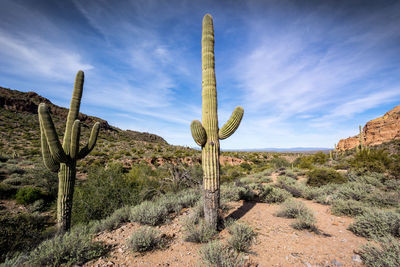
[278,244]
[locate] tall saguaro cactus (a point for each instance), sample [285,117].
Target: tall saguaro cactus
[62,158]
[207,134]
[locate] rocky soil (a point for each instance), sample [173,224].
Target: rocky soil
[277,243]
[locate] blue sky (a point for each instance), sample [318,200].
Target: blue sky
[306,72]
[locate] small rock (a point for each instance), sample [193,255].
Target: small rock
[308,264]
[120,250]
[336,263]
[356,258]
[246,257]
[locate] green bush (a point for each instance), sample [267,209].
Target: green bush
[215,254]
[291,186]
[113,221]
[373,160]
[105,191]
[305,221]
[349,207]
[292,209]
[386,254]
[73,248]
[242,236]
[319,157]
[20,232]
[198,231]
[375,224]
[149,213]
[28,195]
[145,239]
[278,162]
[323,176]
[271,194]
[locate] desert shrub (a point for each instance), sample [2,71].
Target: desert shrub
[371,178]
[354,190]
[323,176]
[349,207]
[113,221]
[28,195]
[290,185]
[73,248]
[383,199]
[305,221]
[292,209]
[144,239]
[387,253]
[7,191]
[278,162]
[288,173]
[149,213]
[230,192]
[319,158]
[375,224]
[373,160]
[242,236]
[105,191]
[20,232]
[215,254]
[198,232]
[271,194]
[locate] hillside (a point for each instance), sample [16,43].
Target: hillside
[377,131]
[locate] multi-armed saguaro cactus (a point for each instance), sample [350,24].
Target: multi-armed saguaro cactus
[62,158]
[207,133]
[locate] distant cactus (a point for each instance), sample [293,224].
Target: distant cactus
[62,158]
[207,134]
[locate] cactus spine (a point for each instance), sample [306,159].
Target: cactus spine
[62,158]
[206,133]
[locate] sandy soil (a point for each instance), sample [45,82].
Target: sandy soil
[277,244]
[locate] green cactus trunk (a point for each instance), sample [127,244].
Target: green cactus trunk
[63,158]
[66,178]
[207,134]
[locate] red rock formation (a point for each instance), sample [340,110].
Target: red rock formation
[377,131]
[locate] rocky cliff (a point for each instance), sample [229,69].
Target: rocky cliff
[377,131]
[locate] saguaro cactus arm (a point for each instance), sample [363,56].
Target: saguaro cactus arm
[232,124]
[75,135]
[92,141]
[74,109]
[198,132]
[48,159]
[53,142]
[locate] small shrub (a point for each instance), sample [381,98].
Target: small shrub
[149,213]
[112,222]
[28,195]
[242,236]
[230,192]
[199,232]
[145,239]
[292,209]
[386,254]
[278,162]
[375,224]
[73,248]
[305,221]
[373,160]
[349,207]
[271,194]
[323,176]
[291,186]
[215,254]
